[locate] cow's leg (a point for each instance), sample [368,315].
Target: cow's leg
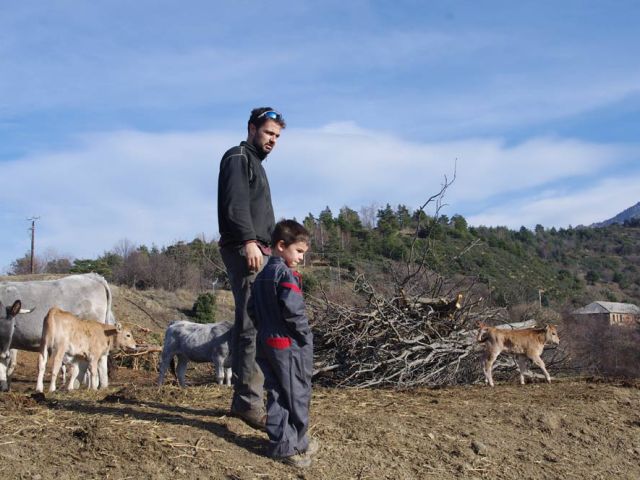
[42,365]
[228,371]
[167,356]
[93,372]
[4,381]
[521,361]
[483,361]
[12,362]
[83,373]
[103,371]
[490,357]
[73,374]
[58,357]
[538,361]
[181,369]
[7,366]
[218,365]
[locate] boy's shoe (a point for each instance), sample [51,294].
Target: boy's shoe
[313,447]
[299,460]
[253,418]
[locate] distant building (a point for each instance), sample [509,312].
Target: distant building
[611,312]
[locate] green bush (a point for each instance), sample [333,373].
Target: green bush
[592,277]
[309,282]
[204,308]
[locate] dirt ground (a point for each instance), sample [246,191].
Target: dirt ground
[569,429]
[572,428]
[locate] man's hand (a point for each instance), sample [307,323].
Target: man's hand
[254,256]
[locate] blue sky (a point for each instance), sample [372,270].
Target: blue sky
[114,115]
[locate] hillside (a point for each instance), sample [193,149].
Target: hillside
[562,269]
[572,267]
[559,268]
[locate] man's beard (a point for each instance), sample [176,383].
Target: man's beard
[262,153]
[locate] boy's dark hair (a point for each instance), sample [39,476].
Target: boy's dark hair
[290,232]
[259,116]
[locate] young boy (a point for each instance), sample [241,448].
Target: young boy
[285,345]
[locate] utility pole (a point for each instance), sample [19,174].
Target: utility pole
[540,292]
[33,240]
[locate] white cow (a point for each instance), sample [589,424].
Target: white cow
[66,336]
[199,343]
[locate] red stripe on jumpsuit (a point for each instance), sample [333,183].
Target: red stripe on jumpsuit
[291,286]
[279,343]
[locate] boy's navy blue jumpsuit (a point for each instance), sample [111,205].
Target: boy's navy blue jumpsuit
[285,355]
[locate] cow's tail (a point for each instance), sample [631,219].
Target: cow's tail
[110,319]
[47,324]
[172,367]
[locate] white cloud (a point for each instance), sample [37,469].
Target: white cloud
[595,203]
[145,187]
[359,167]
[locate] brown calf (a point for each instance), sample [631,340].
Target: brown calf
[70,339]
[523,344]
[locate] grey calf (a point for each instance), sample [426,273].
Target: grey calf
[7,327]
[198,343]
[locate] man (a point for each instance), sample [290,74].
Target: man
[245,222]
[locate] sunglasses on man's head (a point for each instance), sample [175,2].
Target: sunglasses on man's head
[272,114]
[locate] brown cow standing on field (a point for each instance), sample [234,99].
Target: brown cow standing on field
[70,339]
[523,344]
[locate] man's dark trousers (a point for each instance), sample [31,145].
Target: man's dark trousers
[248,379]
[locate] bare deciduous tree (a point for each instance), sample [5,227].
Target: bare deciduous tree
[368,215]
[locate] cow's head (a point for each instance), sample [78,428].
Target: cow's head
[482,330]
[551,334]
[10,312]
[7,326]
[122,337]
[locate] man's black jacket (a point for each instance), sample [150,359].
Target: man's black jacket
[244,199]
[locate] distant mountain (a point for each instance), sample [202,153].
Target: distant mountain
[628,214]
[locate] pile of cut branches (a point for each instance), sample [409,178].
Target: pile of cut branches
[397,341]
